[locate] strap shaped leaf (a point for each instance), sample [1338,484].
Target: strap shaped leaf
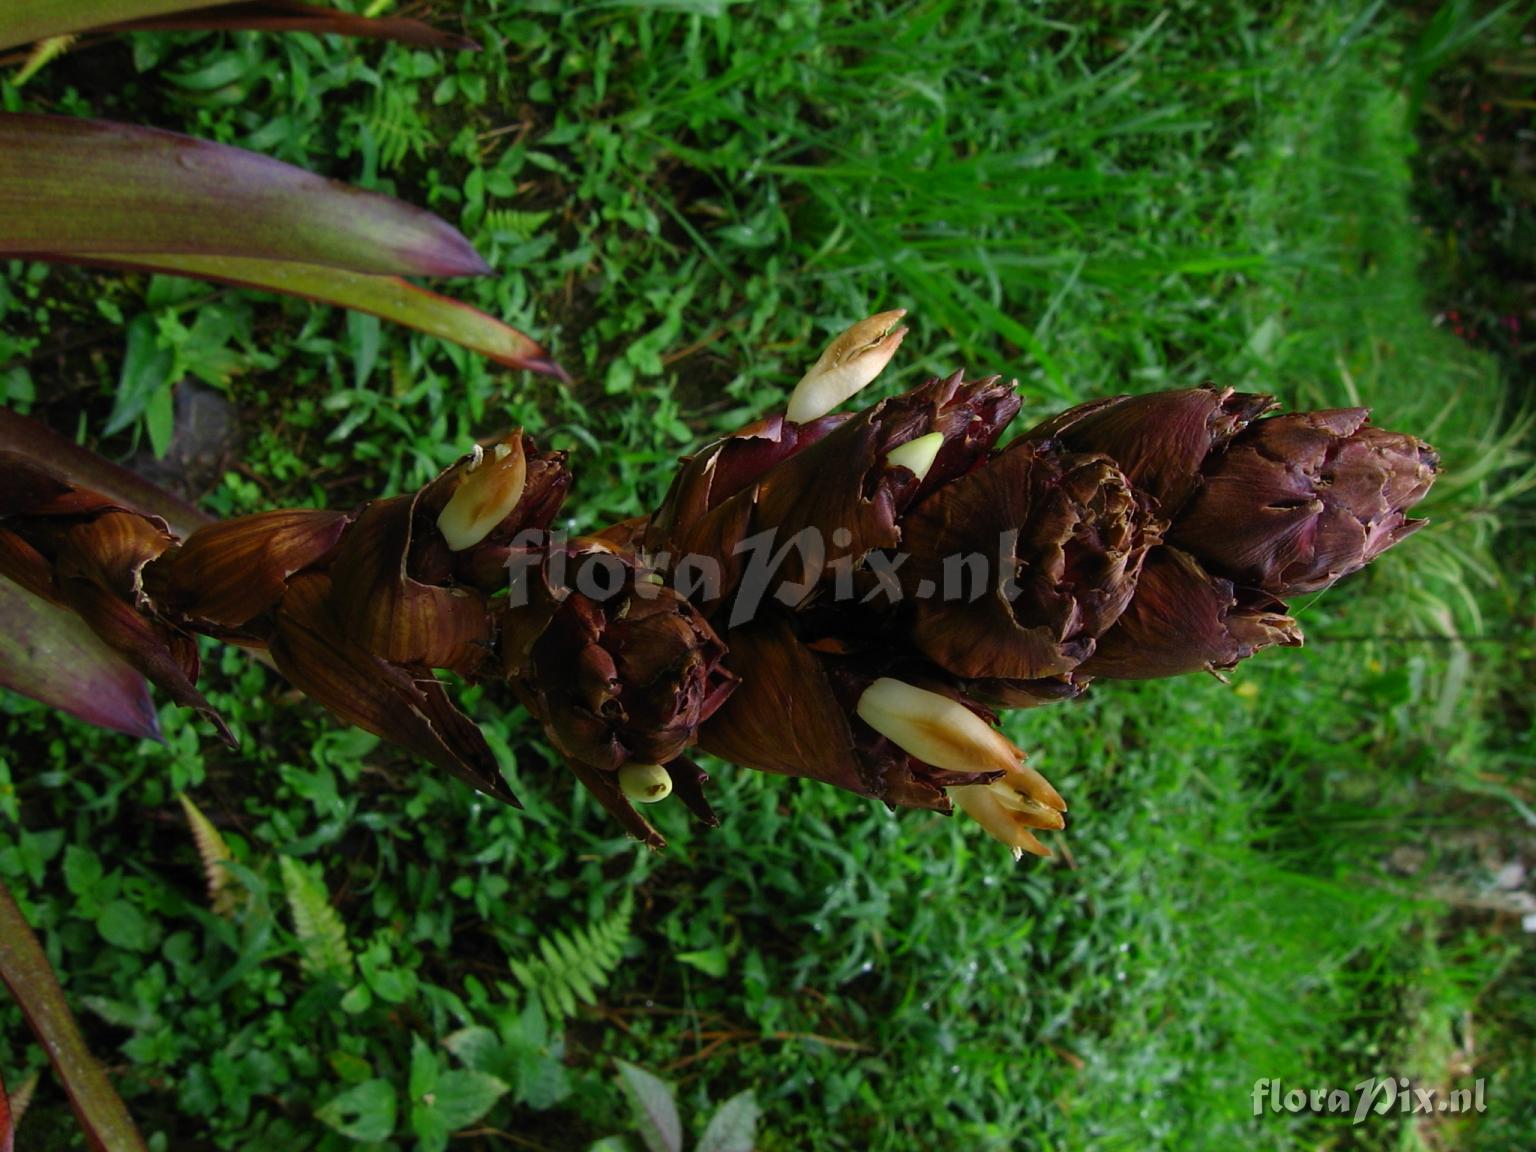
[50,654]
[36,19]
[387,297]
[71,186]
[26,972]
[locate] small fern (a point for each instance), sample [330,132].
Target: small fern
[316,924]
[397,127]
[43,53]
[514,223]
[572,966]
[21,1098]
[215,853]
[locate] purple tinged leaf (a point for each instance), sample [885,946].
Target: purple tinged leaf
[36,19]
[733,1128]
[51,655]
[387,297]
[654,1109]
[42,18]
[25,970]
[289,16]
[72,187]
[83,468]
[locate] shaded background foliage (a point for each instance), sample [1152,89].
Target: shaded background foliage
[1315,873]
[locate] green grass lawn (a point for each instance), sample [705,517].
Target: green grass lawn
[1288,876]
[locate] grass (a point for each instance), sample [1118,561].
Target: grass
[1278,878]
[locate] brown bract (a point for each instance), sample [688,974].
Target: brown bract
[831,501]
[1159,440]
[1300,500]
[381,606]
[720,470]
[312,650]
[76,548]
[794,715]
[1017,568]
[1183,619]
[546,480]
[614,665]
[617,667]
[229,573]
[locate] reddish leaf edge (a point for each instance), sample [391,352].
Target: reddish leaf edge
[7,1125]
[83,185]
[242,273]
[25,970]
[280,16]
[51,655]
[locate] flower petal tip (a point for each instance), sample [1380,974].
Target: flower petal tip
[491,488]
[847,366]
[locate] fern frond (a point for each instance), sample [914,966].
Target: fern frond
[21,1098]
[316,924]
[43,53]
[214,853]
[512,222]
[571,966]
[397,126]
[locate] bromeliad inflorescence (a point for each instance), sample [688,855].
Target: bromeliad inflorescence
[847,598]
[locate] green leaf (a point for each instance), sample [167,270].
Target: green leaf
[124,926]
[82,871]
[388,981]
[31,20]
[146,371]
[652,1105]
[159,421]
[423,1069]
[464,1097]
[477,1047]
[364,331]
[213,851]
[365,1113]
[25,970]
[387,297]
[733,1127]
[573,965]
[51,655]
[74,186]
[431,1129]
[711,961]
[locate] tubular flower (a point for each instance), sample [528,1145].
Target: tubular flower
[848,366]
[801,712]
